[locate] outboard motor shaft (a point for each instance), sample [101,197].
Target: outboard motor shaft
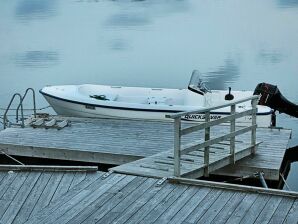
[272,97]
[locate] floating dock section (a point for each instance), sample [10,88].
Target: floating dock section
[70,196]
[119,142]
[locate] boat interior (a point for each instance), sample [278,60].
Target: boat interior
[158,96]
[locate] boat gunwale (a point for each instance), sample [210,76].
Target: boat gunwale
[136,109]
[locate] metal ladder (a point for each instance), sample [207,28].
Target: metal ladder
[20,106]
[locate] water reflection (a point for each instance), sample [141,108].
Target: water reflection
[35,9]
[288,3]
[38,59]
[271,57]
[126,20]
[119,44]
[224,75]
[141,12]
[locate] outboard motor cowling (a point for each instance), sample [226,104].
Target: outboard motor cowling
[271,96]
[229,96]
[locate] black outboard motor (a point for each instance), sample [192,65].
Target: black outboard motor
[229,96]
[272,97]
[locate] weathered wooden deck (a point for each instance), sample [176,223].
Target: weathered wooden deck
[268,158]
[192,165]
[93,197]
[118,142]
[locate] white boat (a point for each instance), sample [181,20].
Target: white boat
[104,101]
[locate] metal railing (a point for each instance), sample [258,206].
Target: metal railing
[20,106]
[33,100]
[179,132]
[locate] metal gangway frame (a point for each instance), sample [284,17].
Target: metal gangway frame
[20,106]
[179,132]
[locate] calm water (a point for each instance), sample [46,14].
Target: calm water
[154,43]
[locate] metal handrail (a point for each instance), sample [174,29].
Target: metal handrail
[21,103]
[8,107]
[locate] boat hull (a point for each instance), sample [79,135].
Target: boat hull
[80,109]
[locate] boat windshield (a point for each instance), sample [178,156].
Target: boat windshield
[196,84]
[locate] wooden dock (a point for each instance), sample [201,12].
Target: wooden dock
[117,142]
[96,197]
[268,159]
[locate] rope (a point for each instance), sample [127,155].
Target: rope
[284,180]
[12,158]
[42,108]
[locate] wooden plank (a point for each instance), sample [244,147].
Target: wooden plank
[48,192]
[78,178]
[46,168]
[153,191]
[91,208]
[79,202]
[206,148]
[21,196]
[164,204]
[292,216]
[215,140]
[256,208]
[133,169]
[115,200]
[282,211]
[216,207]
[2,175]
[232,139]
[216,164]
[203,206]
[91,180]
[235,187]
[63,185]
[177,206]
[269,210]
[32,198]
[69,154]
[128,201]
[6,181]
[158,198]
[186,210]
[229,208]
[11,191]
[177,146]
[242,208]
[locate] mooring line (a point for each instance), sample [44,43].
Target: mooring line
[284,180]
[14,159]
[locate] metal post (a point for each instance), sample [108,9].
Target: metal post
[232,139]
[254,122]
[8,107]
[177,144]
[21,103]
[206,151]
[262,179]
